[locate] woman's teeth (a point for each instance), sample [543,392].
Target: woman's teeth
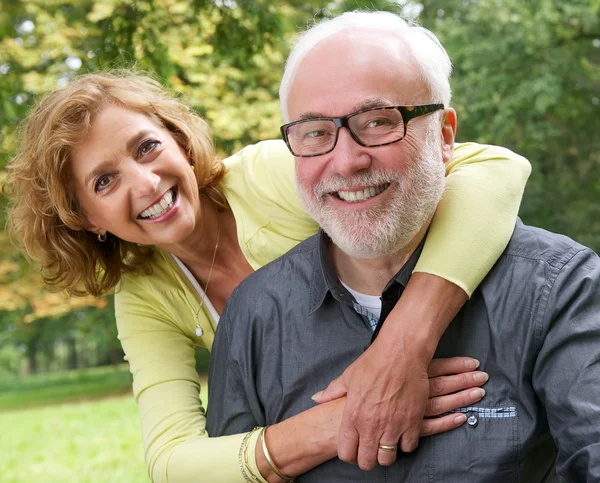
[160,208]
[362,195]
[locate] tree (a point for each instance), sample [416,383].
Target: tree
[527,76]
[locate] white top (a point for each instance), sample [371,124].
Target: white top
[211,309]
[370,302]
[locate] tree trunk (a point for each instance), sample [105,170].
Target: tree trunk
[32,357]
[72,353]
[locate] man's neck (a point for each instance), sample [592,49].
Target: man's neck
[370,276]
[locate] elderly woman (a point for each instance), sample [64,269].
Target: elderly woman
[116,185]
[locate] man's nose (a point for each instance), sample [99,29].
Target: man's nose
[144,180]
[349,157]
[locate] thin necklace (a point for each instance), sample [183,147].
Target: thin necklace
[199,330]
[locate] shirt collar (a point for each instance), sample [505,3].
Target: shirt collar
[325,280]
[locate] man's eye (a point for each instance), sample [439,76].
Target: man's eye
[147,147]
[101,183]
[377,123]
[315,134]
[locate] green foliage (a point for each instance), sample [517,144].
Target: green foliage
[224,60]
[63,386]
[526,76]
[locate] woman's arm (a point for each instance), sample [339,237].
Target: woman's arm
[469,231]
[315,431]
[166,388]
[156,323]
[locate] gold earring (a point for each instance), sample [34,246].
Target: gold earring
[193,168]
[102,237]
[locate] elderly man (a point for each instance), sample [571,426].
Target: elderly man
[367,98]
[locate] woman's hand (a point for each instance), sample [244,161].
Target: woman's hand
[453,383]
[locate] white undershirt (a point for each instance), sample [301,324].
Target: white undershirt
[370,302]
[211,309]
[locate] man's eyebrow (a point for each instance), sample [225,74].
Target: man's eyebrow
[310,115]
[370,103]
[366,104]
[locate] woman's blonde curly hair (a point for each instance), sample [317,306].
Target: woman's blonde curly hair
[44,219]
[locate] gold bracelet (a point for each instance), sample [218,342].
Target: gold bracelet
[269,459]
[243,457]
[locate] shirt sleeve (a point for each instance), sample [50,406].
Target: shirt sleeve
[476,216]
[166,388]
[567,369]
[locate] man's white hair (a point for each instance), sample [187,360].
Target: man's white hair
[422,44]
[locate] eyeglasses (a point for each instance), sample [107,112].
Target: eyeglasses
[373,127]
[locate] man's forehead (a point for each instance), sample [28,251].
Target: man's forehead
[386,46]
[350,71]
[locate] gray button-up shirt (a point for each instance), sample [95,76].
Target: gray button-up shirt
[534,323]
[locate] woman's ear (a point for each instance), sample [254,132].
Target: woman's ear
[448,133]
[88,224]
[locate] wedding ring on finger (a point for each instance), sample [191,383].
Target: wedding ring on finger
[388,449]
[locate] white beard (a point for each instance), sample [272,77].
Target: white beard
[382,230]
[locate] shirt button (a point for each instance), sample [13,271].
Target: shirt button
[472,420]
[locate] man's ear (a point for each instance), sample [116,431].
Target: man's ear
[448,133]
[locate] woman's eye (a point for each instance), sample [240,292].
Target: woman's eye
[147,147]
[101,183]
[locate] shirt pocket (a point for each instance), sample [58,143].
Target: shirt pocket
[484,449]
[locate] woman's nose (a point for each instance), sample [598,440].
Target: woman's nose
[144,181]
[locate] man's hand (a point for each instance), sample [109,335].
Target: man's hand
[387,403]
[386,400]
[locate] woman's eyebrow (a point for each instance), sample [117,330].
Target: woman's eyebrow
[133,142]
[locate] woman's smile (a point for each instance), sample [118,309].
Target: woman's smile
[163,209]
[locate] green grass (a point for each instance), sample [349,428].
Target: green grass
[64,386]
[95,441]
[86,442]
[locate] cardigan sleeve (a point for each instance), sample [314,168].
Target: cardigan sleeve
[476,216]
[166,388]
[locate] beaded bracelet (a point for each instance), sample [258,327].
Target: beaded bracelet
[269,459]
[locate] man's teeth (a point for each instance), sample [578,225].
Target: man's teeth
[363,194]
[159,208]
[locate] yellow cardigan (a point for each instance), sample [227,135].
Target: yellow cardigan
[157,313]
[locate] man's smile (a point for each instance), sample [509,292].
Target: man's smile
[361,194]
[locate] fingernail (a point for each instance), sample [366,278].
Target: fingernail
[460,418]
[481,377]
[477,393]
[471,363]
[316,395]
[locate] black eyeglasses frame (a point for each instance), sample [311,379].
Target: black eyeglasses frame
[407,112]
